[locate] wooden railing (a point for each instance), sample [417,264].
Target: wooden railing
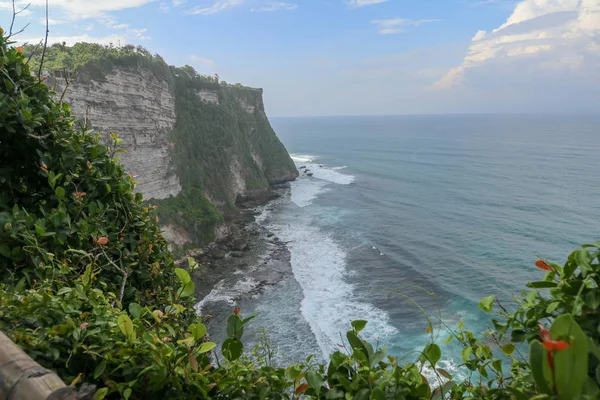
[21,378]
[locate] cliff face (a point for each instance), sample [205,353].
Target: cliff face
[140,108]
[192,143]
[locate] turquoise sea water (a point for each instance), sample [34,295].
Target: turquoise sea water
[458,206]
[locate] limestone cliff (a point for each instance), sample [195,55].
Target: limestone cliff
[140,108]
[194,142]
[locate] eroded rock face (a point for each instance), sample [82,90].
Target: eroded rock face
[139,107]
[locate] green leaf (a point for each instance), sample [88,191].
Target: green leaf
[197,330]
[235,327]
[335,393]
[497,364]
[570,365]
[100,369]
[537,358]
[135,310]
[441,392]
[232,349]
[100,393]
[186,290]
[359,325]
[552,307]
[127,393]
[487,303]
[466,353]
[444,373]
[5,251]
[508,349]
[206,347]
[59,192]
[377,394]
[433,353]
[64,290]
[315,381]
[583,257]
[126,326]
[541,284]
[293,372]
[183,276]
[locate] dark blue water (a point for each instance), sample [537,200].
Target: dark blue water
[442,209]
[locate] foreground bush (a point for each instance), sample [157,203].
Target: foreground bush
[90,290]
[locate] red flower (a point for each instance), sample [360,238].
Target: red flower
[103,241]
[44,167]
[542,265]
[236,311]
[79,195]
[20,49]
[556,345]
[83,326]
[89,165]
[551,345]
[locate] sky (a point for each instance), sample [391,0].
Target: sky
[358,57]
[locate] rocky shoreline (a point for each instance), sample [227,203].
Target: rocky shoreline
[246,256]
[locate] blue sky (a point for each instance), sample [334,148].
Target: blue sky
[352,57]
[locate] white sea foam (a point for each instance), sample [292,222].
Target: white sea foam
[223,291]
[304,191]
[328,174]
[329,303]
[302,158]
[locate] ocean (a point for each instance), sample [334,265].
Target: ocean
[411,215]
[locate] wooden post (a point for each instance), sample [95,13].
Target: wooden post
[22,378]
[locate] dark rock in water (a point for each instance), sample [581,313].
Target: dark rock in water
[320,166]
[309,174]
[255,198]
[239,245]
[306,171]
[276,239]
[236,254]
[217,254]
[270,234]
[303,167]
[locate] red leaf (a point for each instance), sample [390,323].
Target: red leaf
[301,389]
[541,264]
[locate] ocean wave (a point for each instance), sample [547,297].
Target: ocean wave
[328,174]
[225,292]
[303,193]
[329,302]
[302,158]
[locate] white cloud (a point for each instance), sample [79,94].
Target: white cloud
[80,9]
[202,61]
[277,6]
[139,33]
[398,25]
[362,3]
[217,6]
[541,41]
[166,6]
[21,9]
[51,21]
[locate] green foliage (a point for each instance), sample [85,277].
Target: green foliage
[94,61]
[193,212]
[221,140]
